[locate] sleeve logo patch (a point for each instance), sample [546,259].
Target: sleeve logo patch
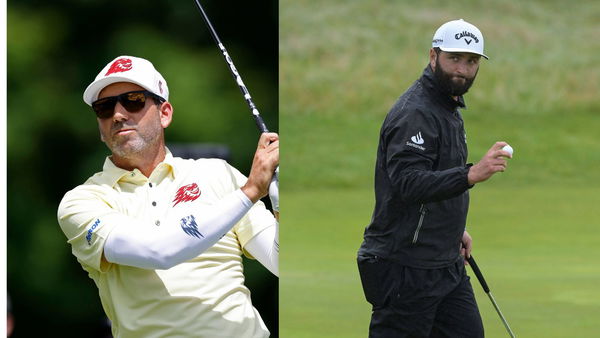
[417,140]
[190,227]
[90,231]
[187,193]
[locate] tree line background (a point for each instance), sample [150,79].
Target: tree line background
[54,50]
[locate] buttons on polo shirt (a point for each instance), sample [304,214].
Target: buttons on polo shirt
[153,203]
[157,223]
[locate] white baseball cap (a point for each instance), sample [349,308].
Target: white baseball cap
[459,36]
[128,69]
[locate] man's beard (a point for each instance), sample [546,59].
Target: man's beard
[129,146]
[448,86]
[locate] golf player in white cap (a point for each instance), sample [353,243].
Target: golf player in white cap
[162,237]
[412,259]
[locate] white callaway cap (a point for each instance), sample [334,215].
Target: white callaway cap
[459,36]
[128,69]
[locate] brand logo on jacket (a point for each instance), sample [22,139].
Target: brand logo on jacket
[417,140]
[187,193]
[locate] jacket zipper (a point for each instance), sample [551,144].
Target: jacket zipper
[422,211]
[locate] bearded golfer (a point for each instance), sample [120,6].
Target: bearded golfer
[410,261]
[162,237]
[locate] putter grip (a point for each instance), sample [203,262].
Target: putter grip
[478,273]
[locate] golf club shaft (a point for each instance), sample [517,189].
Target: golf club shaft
[500,314]
[486,288]
[262,127]
[236,75]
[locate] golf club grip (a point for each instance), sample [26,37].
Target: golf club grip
[478,273]
[260,124]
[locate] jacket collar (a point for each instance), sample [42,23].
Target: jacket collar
[429,82]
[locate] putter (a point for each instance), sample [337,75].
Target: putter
[486,288]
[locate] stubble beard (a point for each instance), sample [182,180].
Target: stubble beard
[134,144]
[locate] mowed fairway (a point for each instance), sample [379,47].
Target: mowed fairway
[321,294]
[537,248]
[536,227]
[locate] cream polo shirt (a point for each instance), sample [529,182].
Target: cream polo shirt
[202,297]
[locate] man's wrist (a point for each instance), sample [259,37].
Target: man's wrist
[251,192]
[470,180]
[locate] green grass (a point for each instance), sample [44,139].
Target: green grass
[320,292]
[342,66]
[537,249]
[344,63]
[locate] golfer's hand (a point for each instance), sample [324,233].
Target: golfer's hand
[466,246]
[265,161]
[492,162]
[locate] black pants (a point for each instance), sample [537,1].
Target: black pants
[412,302]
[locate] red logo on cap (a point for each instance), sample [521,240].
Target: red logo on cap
[120,65]
[187,193]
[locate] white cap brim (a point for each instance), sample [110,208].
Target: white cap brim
[461,50]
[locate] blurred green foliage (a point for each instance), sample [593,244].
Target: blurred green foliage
[54,50]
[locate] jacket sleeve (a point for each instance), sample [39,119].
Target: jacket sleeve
[412,147]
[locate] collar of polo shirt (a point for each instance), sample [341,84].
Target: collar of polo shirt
[113,174]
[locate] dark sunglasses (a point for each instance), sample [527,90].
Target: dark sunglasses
[132,101]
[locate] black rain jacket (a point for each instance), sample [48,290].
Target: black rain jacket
[421,186]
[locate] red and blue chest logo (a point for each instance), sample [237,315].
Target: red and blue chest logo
[187,193]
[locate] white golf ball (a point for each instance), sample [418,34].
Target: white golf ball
[508,149]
